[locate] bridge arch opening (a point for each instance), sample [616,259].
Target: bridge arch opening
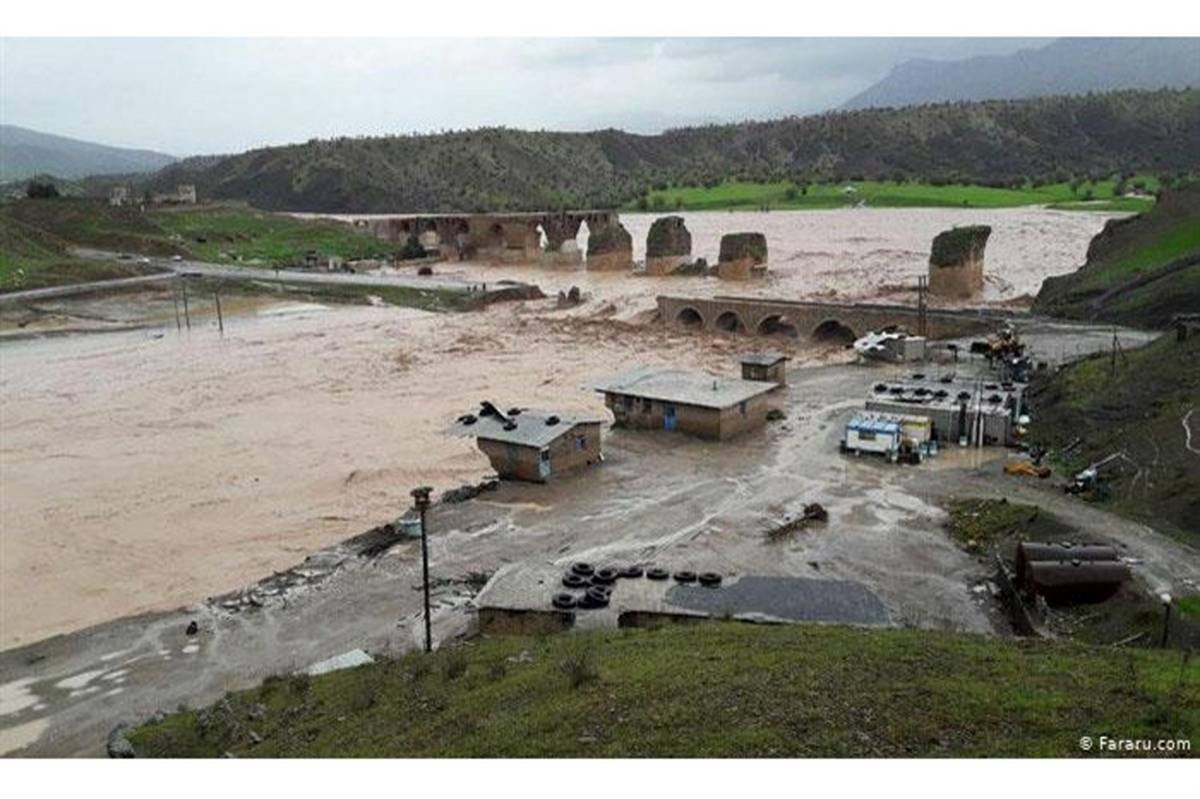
[429,236]
[831,331]
[730,322]
[690,317]
[495,236]
[778,325]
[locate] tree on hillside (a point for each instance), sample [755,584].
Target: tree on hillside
[37,190]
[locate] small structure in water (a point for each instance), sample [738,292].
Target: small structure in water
[531,445]
[769,367]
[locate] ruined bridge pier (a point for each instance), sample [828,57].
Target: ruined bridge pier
[820,320]
[496,238]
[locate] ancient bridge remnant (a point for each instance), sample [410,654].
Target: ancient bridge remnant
[818,320]
[956,261]
[497,238]
[742,256]
[668,245]
[610,248]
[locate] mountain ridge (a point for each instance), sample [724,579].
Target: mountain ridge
[1064,66]
[26,153]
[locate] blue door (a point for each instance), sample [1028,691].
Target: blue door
[668,417]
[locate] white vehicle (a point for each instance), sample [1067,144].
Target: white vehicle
[176,257]
[143,260]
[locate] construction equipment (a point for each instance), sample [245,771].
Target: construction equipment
[1024,468]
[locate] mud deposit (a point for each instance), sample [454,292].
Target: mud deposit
[148,469]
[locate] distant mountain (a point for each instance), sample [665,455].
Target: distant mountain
[25,153]
[1065,66]
[1001,142]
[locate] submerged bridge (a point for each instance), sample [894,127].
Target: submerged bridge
[515,237]
[821,320]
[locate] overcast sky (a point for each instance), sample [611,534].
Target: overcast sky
[194,96]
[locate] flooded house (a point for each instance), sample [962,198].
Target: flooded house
[770,367]
[689,402]
[532,445]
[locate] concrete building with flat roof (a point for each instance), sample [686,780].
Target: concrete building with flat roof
[690,402]
[532,445]
[978,411]
[769,367]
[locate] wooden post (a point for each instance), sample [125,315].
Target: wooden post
[220,319]
[175,302]
[187,317]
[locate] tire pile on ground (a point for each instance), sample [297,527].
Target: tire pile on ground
[597,585]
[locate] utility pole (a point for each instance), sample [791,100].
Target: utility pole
[187,317]
[922,286]
[421,503]
[1166,600]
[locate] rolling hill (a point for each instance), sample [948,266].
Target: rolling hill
[1139,271]
[999,143]
[1065,66]
[25,153]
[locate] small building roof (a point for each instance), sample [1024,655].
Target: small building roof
[874,423]
[684,387]
[763,358]
[529,428]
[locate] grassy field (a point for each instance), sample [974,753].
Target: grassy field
[30,258]
[716,689]
[888,194]
[229,234]
[35,237]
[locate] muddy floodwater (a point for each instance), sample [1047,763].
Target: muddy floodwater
[148,469]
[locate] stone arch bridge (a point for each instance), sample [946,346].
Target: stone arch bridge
[821,320]
[515,237]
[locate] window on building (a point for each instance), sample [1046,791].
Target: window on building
[647,406]
[545,455]
[580,442]
[866,435]
[742,408]
[628,401]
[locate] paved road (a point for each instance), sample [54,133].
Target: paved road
[224,272]
[82,288]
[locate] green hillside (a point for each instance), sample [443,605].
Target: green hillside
[1091,410]
[707,690]
[35,236]
[1002,144]
[1139,271]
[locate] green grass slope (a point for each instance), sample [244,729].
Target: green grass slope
[707,690]
[784,195]
[35,237]
[228,233]
[1086,412]
[1139,271]
[32,258]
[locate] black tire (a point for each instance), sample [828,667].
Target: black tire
[597,597]
[685,576]
[710,579]
[573,580]
[605,576]
[655,573]
[563,601]
[581,568]
[631,571]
